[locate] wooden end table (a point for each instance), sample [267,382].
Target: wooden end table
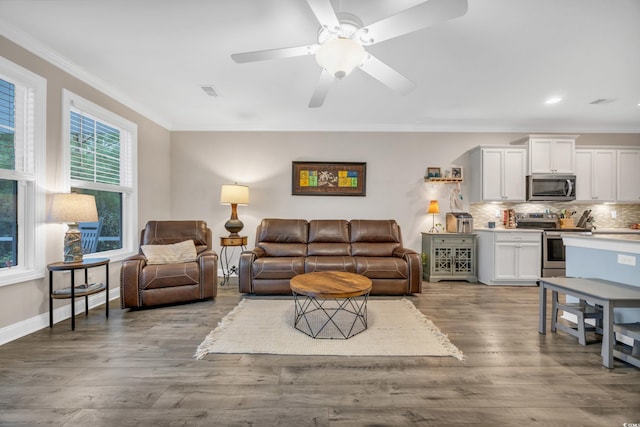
[330,304]
[75,293]
[225,243]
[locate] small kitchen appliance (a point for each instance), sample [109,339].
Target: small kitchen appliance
[459,222]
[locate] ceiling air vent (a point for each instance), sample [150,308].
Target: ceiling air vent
[210,90]
[602,101]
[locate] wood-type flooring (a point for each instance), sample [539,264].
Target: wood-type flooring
[136,369]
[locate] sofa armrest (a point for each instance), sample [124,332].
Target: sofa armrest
[244,268]
[129,279]
[208,267]
[415,268]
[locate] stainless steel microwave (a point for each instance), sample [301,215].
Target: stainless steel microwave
[551,188]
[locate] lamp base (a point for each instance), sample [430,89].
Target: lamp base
[234,226]
[433,230]
[73,244]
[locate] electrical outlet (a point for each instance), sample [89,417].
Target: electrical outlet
[498,214]
[627,260]
[614,214]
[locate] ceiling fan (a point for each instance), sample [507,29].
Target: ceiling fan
[342,38]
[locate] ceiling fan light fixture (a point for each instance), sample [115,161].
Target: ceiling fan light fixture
[340,56]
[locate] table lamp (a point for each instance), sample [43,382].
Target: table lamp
[234,195]
[433,209]
[71,208]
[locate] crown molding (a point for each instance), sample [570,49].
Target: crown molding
[34,46]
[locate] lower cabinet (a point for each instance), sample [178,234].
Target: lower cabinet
[509,257]
[449,257]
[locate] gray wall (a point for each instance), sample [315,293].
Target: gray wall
[23,301]
[396,164]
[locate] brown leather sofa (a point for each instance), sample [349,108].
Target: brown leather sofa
[143,284]
[288,247]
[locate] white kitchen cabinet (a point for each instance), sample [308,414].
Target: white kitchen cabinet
[596,175]
[551,154]
[507,257]
[498,173]
[628,176]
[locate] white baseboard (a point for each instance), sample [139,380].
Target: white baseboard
[28,326]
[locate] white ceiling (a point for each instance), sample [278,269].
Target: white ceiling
[490,70]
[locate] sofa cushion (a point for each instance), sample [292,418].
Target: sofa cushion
[169,275]
[283,237]
[170,254]
[328,237]
[282,231]
[378,238]
[278,267]
[168,232]
[382,267]
[329,263]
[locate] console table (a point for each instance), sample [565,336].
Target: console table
[75,293]
[449,256]
[608,294]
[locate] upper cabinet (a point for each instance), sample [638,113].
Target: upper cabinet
[498,173]
[595,175]
[628,176]
[550,153]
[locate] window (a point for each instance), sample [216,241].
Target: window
[100,159]
[22,173]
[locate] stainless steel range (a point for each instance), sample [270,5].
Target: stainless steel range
[553,252]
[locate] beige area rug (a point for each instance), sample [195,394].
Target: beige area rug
[395,328]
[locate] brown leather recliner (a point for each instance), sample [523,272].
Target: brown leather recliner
[143,284]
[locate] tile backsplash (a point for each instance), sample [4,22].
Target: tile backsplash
[626,214]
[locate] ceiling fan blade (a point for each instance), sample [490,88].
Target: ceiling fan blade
[325,14]
[415,18]
[386,75]
[322,89]
[285,52]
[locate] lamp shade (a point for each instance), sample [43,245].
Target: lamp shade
[234,194]
[340,56]
[433,207]
[73,207]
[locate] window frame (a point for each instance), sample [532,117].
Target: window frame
[30,176]
[129,149]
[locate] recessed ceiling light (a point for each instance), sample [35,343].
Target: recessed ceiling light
[553,100]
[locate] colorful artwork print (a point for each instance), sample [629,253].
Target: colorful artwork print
[334,179]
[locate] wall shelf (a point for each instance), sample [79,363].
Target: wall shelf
[443,180]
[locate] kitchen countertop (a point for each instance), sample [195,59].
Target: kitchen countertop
[615,231]
[625,242]
[509,230]
[597,231]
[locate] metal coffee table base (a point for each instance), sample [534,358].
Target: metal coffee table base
[330,318]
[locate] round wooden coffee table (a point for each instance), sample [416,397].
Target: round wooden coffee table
[330,304]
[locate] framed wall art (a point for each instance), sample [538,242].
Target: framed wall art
[328,179]
[433,172]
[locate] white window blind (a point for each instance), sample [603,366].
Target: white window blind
[22,173]
[97,151]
